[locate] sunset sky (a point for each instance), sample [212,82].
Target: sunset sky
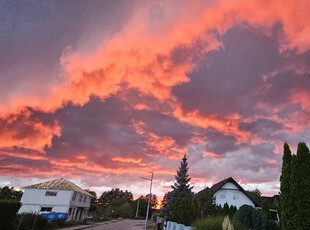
[102,92]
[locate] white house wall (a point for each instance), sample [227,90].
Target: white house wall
[233,196]
[77,203]
[34,199]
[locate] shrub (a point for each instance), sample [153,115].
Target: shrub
[183,210]
[272,225]
[249,218]
[232,210]
[8,210]
[26,221]
[209,223]
[125,210]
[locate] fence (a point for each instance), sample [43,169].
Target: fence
[169,225]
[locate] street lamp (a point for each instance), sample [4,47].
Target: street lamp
[148,204]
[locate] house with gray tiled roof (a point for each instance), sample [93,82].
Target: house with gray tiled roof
[56,196]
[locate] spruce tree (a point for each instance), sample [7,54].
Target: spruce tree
[182,186]
[300,188]
[180,189]
[286,208]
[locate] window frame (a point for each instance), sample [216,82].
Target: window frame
[46,209]
[222,195]
[50,193]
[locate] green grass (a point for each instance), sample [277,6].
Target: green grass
[209,223]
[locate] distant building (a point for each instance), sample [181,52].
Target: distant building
[56,196]
[273,200]
[230,192]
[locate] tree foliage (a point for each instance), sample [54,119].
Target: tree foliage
[256,195]
[180,189]
[249,218]
[266,209]
[108,196]
[182,212]
[7,193]
[114,209]
[300,188]
[142,206]
[167,208]
[126,210]
[285,179]
[295,188]
[153,202]
[8,210]
[182,184]
[205,204]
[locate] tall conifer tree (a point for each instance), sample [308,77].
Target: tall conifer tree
[181,189]
[285,188]
[182,185]
[300,188]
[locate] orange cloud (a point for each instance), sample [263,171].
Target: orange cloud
[165,146]
[127,160]
[32,156]
[140,55]
[228,125]
[24,130]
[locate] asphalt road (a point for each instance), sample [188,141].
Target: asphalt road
[120,225]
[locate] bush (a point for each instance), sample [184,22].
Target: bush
[8,210]
[209,223]
[26,221]
[272,225]
[249,218]
[182,212]
[125,210]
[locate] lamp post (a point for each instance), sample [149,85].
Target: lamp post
[148,204]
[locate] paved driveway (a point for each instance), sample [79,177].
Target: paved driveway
[120,225]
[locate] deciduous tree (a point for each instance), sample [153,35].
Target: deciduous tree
[109,196]
[7,193]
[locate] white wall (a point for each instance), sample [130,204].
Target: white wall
[233,196]
[78,203]
[33,199]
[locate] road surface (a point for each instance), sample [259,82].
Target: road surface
[120,225]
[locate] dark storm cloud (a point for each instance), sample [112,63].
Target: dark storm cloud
[233,76]
[219,143]
[263,127]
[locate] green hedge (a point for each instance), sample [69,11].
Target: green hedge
[25,222]
[249,218]
[8,210]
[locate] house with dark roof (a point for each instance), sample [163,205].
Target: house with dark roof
[56,196]
[230,192]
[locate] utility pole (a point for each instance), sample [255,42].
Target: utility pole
[150,195]
[137,208]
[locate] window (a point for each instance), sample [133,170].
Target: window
[236,196]
[50,193]
[74,196]
[223,195]
[81,197]
[46,209]
[85,199]
[70,211]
